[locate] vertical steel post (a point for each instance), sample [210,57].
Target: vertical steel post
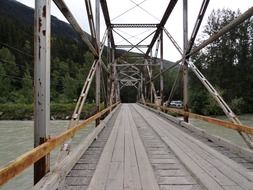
[161,67]
[115,79]
[42,34]
[112,93]
[151,90]
[142,95]
[145,91]
[109,54]
[99,63]
[185,68]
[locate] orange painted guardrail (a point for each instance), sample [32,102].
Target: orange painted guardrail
[219,122]
[27,159]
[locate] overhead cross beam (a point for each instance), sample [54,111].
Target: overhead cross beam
[131,46]
[161,25]
[135,25]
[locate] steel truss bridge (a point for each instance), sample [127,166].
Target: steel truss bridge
[135,146]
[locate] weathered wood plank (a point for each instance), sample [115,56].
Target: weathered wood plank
[115,178]
[147,176]
[99,179]
[118,151]
[180,187]
[224,170]
[204,178]
[134,164]
[77,181]
[116,171]
[218,166]
[171,173]
[131,172]
[175,180]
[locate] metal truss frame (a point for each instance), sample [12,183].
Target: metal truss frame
[132,74]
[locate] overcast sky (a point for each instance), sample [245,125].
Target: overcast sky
[148,11]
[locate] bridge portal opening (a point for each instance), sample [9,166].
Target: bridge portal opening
[128,94]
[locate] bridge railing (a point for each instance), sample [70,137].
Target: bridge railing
[218,122]
[27,159]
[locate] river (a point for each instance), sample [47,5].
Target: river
[16,137]
[226,133]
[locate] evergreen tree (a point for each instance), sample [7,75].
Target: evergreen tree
[226,62]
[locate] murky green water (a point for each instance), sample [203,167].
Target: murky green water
[228,134]
[16,137]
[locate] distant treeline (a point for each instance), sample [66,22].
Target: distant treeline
[227,63]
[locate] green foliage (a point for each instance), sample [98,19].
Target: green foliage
[70,64]
[237,105]
[227,64]
[212,107]
[16,111]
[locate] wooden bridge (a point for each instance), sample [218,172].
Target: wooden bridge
[138,146]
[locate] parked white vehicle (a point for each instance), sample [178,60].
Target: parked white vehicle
[176,104]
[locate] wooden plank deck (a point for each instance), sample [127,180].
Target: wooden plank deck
[144,151]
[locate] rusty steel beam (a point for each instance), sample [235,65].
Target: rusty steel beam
[161,24]
[91,24]
[27,159]
[42,35]
[107,20]
[197,24]
[72,21]
[238,127]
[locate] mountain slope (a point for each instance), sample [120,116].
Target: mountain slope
[17,11]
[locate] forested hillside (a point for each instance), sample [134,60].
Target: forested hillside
[70,60]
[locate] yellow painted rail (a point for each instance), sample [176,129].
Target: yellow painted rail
[227,124]
[24,161]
